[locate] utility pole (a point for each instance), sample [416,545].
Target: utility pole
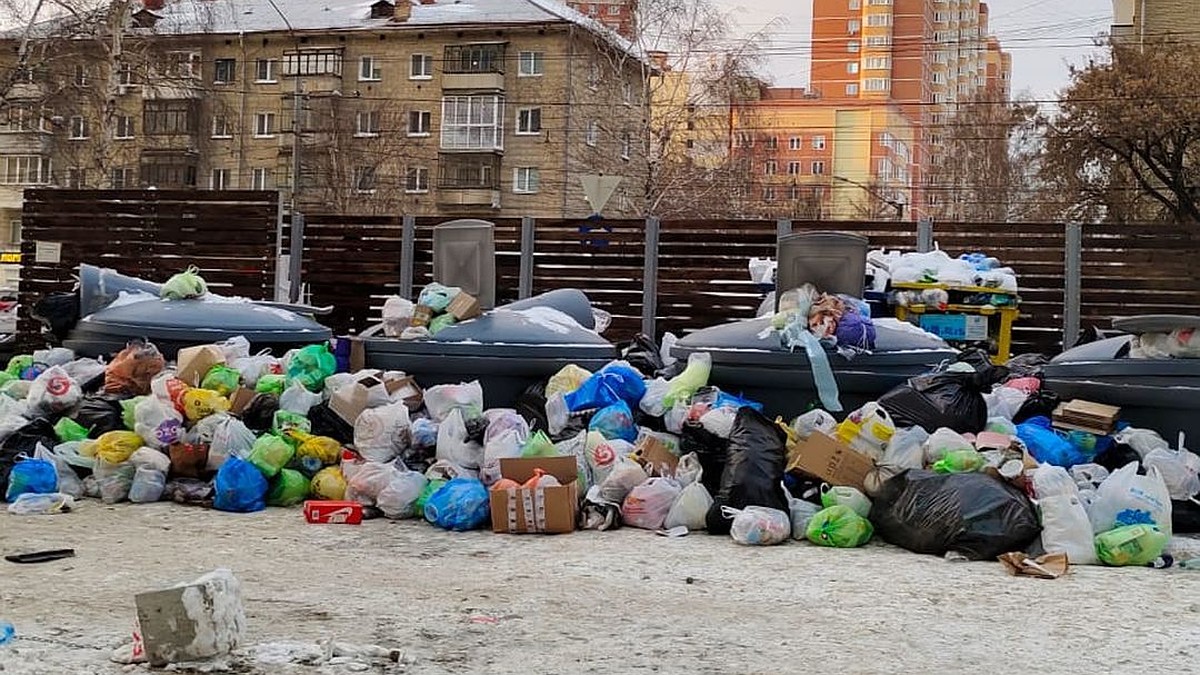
[297,107]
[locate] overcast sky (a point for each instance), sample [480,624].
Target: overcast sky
[1042,35]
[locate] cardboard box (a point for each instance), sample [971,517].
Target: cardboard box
[656,457]
[1080,415]
[358,354]
[239,399]
[550,510]
[464,306]
[195,362]
[333,512]
[830,460]
[349,401]
[408,390]
[421,317]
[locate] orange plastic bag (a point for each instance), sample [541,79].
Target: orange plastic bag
[133,368]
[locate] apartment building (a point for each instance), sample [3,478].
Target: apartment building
[1147,21]
[619,15]
[436,107]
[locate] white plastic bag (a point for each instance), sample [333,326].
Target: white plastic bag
[719,421]
[68,481]
[652,402]
[148,484]
[1005,402]
[1141,440]
[944,441]
[626,474]
[1066,529]
[236,347]
[452,443]
[397,312]
[55,356]
[400,496]
[1088,476]
[231,439]
[157,422]
[1179,470]
[688,470]
[1053,481]
[759,525]
[814,420]
[648,504]
[379,433]
[905,450]
[690,508]
[1125,498]
[800,512]
[251,368]
[675,417]
[366,480]
[52,392]
[84,370]
[151,459]
[32,504]
[296,398]
[844,495]
[466,398]
[506,445]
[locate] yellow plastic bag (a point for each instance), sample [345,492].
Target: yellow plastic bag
[200,403]
[567,380]
[329,484]
[321,448]
[116,447]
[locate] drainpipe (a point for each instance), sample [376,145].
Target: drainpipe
[241,166]
[566,141]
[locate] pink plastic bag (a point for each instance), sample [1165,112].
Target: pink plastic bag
[648,504]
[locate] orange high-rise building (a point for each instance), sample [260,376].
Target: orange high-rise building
[619,15]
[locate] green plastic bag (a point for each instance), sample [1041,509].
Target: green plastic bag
[271,384]
[288,489]
[69,430]
[960,461]
[683,386]
[286,420]
[441,322]
[270,454]
[127,411]
[430,488]
[1130,545]
[310,366]
[438,297]
[539,445]
[222,379]
[18,364]
[185,285]
[839,527]
[6,377]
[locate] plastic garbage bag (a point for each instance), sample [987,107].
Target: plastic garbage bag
[399,498]
[115,447]
[944,399]
[437,297]
[1048,446]
[200,403]
[867,430]
[69,430]
[942,442]
[1141,440]
[251,368]
[905,450]
[644,356]
[601,455]
[240,487]
[1005,402]
[1052,481]
[68,481]
[297,399]
[1066,529]
[1125,498]
[653,402]
[960,461]
[754,468]
[647,505]
[612,383]
[310,366]
[460,505]
[397,313]
[1131,545]
[222,379]
[568,379]
[55,356]
[539,445]
[271,383]
[506,445]
[758,526]
[285,422]
[431,486]
[694,376]
[1178,468]
[289,488]
[30,475]
[839,527]
[157,423]
[972,514]
[691,507]
[329,484]
[365,480]
[501,420]
[814,420]
[132,370]
[129,411]
[453,444]
[441,322]
[381,433]
[31,504]
[615,422]
[845,496]
[466,397]
[232,438]
[53,392]
[85,371]
[186,285]
[719,421]
[148,485]
[113,480]
[801,512]
[626,474]
[314,452]
[236,347]
[269,454]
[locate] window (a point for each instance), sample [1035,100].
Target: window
[183,64]
[879,40]
[119,179]
[264,70]
[366,123]
[772,143]
[220,127]
[81,75]
[768,194]
[168,172]
[526,180]
[530,64]
[795,143]
[770,168]
[614,10]
[419,122]
[369,69]
[264,125]
[529,121]
[853,26]
[364,179]
[24,170]
[22,118]
[626,144]
[593,80]
[219,180]
[166,117]
[793,168]
[879,19]
[125,75]
[477,58]
[939,78]
[313,62]
[416,179]
[852,46]
[260,179]
[818,168]
[593,133]
[79,128]
[744,140]
[877,84]
[473,122]
[941,17]
[852,89]
[879,63]
[421,67]
[124,129]
[76,179]
[855,4]
[818,142]
[14,231]
[224,71]
[879,2]
[852,67]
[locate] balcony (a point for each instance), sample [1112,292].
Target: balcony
[474,67]
[469,180]
[169,169]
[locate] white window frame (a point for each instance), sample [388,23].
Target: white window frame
[877,84]
[126,76]
[818,167]
[769,193]
[525,118]
[426,119]
[225,133]
[853,26]
[417,186]
[81,75]
[269,130]
[879,40]
[879,2]
[879,63]
[233,73]
[818,143]
[795,168]
[426,61]
[473,122]
[852,67]
[770,167]
[259,178]
[184,64]
[359,173]
[129,130]
[879,19]
[527,180]
[223,182]
[796,143]
[313,62]
[592,135]
[614,10]
[369,69]
[852,89]
[853,46]
[371,127]
[531,64]
[79,128]
[626,145]
[271,76]
[76,178]
[24,170]
[125,172]
[855,4]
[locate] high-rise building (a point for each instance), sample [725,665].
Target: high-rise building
[618,15]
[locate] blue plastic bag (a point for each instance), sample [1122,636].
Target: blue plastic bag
[730,401]
[615,422]
[1049,447]
[31,476]
[615,382]
[241,487]
[459,505]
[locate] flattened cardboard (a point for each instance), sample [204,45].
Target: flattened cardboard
[358,354]
[464,306]
[656,457]
[195,362]
[548,510]
[421,317]
[239,399]
[349,401]
[830,460]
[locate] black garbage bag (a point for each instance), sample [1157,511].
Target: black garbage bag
[531,405]
[24,441]
[259,414]
[1185,517]
[644,355]
[59,312]
[1026,365]
[1039,404]
[327,423]
[944,398]
[476,428]
[1118,455]
[710,449]
[754,469]
[973,514]
[99,414]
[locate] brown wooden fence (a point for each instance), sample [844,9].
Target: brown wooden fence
[231,236]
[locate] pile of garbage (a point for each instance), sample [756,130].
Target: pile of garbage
[437,307]
[937,267]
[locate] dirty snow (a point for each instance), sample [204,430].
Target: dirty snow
[622,601]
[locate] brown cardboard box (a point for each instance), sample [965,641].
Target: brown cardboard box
[410,392]
[656,457]
[464,306]
[550,510]
[830,460]
[239,399]
[195,362]
[358,354]
[349,401]
[421,317]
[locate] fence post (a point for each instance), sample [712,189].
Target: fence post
[407,244]
[1072,284]
[650,278]
[295,256]
[783,227]
[525,279]
[924,235]
[279,291]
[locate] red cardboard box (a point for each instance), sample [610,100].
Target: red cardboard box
[333,513]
